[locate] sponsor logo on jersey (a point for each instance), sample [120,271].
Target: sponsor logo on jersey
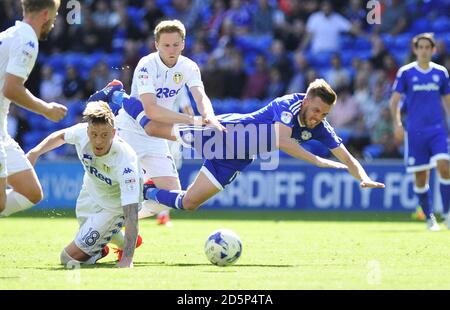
[177,77]
[127,171]
[87,159]
[129,181]
[30,43]
[426,87]
[286,117]
[306,135]
[143,69]
[98,175]
[166,92]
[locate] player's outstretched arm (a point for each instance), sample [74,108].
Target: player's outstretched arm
[160,114]
[131,232]
[290,146]
[53,141]
[355,168]
[205,108]
[15,91]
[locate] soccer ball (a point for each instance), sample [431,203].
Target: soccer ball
[223,247]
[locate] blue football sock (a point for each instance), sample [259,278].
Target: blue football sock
[172,199]
[424,200]
[445,195]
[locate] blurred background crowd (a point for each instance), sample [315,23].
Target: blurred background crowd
[249,52]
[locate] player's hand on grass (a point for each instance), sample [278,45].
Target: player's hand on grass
[125,263]
[371,184]
[55,111]
[212,121]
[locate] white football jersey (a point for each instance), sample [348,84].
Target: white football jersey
[19,47]
[153,76]
[112,180]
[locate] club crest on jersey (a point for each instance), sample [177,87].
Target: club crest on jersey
[435,78]
[306,135]
[106,168]
[286,117]
[188,137]
[177,77]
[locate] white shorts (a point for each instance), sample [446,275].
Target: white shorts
[154,166]
[97,225]
[12,158]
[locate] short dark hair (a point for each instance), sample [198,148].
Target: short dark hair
[427,36]
[320,88]
[30,6]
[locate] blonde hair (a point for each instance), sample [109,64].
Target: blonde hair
[170,26]
[30,6]
[426,36]
[320,88]
[98,112]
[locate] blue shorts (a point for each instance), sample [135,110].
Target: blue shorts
[220,169]
[424,148]
[222,172]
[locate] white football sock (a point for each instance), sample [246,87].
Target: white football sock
[15,202]
[93,259]
[118,239]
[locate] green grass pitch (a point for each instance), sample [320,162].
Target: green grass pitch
[281,250]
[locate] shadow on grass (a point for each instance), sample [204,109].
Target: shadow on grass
[240,215]
[110,265]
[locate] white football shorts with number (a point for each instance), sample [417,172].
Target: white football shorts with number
[153,76]
[110,182]
[19,47]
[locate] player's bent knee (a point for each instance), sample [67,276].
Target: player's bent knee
[190,205]
[36,195]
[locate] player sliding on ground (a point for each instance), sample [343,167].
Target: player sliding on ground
[111,191]
[283,124]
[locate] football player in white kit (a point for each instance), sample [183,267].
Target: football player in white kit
[158,79]
[111,192]
[18,52]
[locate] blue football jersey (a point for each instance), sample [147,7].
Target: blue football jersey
[254,133]
[422,91]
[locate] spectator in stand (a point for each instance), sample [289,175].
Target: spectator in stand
[394,17]
[279,59]
[235,76]
[338,77]
[258,81]
[239,16]
[262,18]
[301,66]
[152,16]
[276,85]
[73,86]
[51,85]
[199,54]
[324,29]
[214,24]
[441,53]
[378,52]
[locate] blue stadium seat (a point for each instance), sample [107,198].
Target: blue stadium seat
[420,25]
[441,25]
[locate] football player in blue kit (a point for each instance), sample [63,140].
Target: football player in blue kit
[283,124]
[423,84]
